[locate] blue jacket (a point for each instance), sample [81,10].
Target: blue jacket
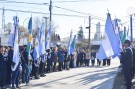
[61,56]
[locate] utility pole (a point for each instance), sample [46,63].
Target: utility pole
[131,28]
[89,27]
[3,20]
[89,32]
[50,9]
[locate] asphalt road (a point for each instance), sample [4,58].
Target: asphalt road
[78,78]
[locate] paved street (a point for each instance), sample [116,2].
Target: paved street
[78,78]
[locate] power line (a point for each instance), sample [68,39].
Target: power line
[7,1]
[42,13]
[3,1]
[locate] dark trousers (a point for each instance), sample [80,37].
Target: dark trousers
[54,66]
[8,79]
[3,75]
[108,62]
[49,65]
[93,62]
[15,77]
[42,68]
[35,70]
[82,62]
[9,71]
[128,77]
[87,62]
[104,62]
[98,62]
[71,64]
[60,66]
[78,62]
[25,73]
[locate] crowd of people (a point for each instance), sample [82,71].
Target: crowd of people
[55,59]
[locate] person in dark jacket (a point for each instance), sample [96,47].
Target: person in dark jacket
[54,58]
[25,72]
[93,56]
[83,57]
[61,57]
[49,61]
[3,69]
[9,71]
[127,60]
[78,62]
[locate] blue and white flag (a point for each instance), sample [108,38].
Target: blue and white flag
[11,37]
[69,44]
[48,38]
[42,40]
[73,44]
[36,53]
[109,45]
[116,28]
[16,57]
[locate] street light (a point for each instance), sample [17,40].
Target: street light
[131,12]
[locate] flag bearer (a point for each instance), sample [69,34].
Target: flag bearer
[126,59]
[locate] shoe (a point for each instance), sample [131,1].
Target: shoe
[18,87]
[36,77]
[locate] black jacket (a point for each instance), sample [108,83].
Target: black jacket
[3,64]
[127,59]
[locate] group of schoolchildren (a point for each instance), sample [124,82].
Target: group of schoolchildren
[55,59]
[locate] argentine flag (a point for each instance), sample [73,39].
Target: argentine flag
[36,53]
[48,38]
[42,40]
[73,44]
[69,44]
[109,45]
[16,57]
[11,37]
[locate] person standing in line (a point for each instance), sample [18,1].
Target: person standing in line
[127,60]
[93,56]
[54,58]
[49,61]
[24,57]
[75,58]
[98,61]
[72,61]
[61,57]
[78,63]
[87,58]
[3,69]
[9,71]
[83,57]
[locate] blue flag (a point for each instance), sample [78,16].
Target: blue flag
[36,53]
[69,44]
[42,39]
[73,44]
[11,37]
[48,38]
[116,28]
[109,45]
[16,58]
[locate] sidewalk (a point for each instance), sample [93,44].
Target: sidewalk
[78,78]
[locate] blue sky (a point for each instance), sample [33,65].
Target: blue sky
[117,8]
